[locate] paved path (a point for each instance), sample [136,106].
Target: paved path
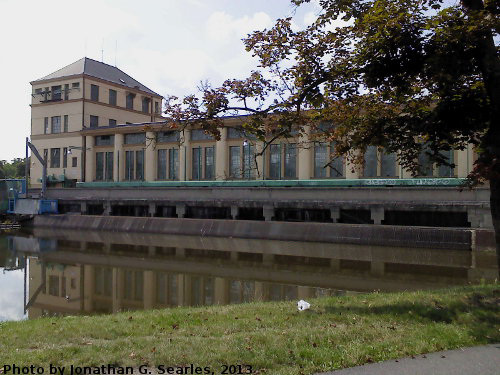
[479,360]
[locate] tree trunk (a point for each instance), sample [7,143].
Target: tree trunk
[489,64]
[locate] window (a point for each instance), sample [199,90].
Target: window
[130,101]
[157,107]
[275,162]
[445,170]
[170,136]
[54,286]
[425,164]
[200,135]
[134,165]
[38,91]
[66,123]
[239,133]
[66,91]
[145,105]
[112,97]
[105,140]
[94,121]
[135,138]
[196,164]
[104,166]
[45,154]
[74,162]
[388,165]
[162,165]
[75,85]
[168,158]
[235,162]
[336,165]
[290,160]
[94,93]
[320,160]
[370,164]
[55,158]
[248,161]
[65,157]
[209,163]
[55,126]
[173,164]
[112,122]
[46,125]
[56,92]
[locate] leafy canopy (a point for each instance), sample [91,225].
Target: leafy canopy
[405,75]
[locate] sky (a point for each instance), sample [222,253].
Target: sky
[168,45]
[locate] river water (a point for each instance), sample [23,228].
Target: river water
[56,272]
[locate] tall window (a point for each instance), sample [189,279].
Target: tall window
[445,170]
[248,161]
[104,166]
[46,125]
[94,121]
[157,107]
[66,91]
[275,161]
[112,97]
[370,167]
[130,101]
[209,163]
[320,160]
[162,165]
[235,162]
[196,164]
[65,157]
[139,165]
[66,123]
[55,126]
[56,92]
[145,105]
[173,164]
[168,164]
[134,165]
[129,165]
[388,165]
[94,93]
[336,165]
[290,160]
[425,165]
[55,158]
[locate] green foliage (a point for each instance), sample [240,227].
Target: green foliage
[14,169]
[409,76]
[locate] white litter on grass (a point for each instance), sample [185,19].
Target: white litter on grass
[303,305]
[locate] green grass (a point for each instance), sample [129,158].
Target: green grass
[272,337]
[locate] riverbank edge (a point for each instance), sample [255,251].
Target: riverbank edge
[360,234]
[272,337]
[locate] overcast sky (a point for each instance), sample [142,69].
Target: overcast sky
[168,45]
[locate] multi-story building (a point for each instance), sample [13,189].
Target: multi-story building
[84,94]
[93,122]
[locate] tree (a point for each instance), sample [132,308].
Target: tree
[409,76]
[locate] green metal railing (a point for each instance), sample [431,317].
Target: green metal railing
[376,182]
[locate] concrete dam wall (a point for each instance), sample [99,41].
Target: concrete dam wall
[359,234]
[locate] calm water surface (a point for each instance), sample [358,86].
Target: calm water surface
[78,272]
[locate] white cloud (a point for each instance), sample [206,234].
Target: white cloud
[224,28]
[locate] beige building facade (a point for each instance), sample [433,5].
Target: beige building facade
[93,122]
[85,94]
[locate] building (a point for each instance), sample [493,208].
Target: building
[84,94]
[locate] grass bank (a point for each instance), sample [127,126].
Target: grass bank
[273,338]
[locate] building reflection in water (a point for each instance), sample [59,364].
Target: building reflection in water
[73,272]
